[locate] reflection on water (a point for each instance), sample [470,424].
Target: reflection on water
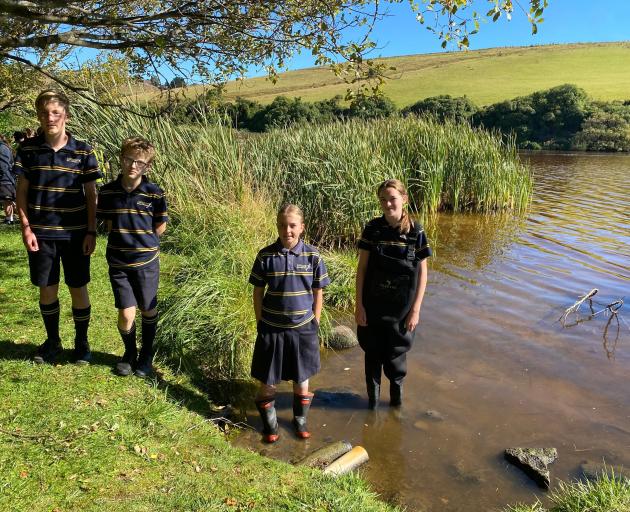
[492,359]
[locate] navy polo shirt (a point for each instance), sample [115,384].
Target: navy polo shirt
[56,200]
[7,178]
[290,276]
[132,241]
[394,243]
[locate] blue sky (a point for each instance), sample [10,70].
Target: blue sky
[565,21]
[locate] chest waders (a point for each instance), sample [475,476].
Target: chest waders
[389,289]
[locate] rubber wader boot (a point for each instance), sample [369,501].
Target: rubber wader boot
[266,409]
[395,394]
[125,367]
[301,405]
[373,392]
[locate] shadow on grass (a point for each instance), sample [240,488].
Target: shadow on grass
[194,400]
[10,351]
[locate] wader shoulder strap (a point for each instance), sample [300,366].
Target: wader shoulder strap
[412,240]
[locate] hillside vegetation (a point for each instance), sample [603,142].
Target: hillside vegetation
[485,76]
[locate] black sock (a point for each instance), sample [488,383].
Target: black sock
[50,314]
[149,325]
[129,339]
[81,323]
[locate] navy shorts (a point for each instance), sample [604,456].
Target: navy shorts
[135,287]
[45,263]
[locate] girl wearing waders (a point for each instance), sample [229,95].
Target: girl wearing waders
[287,315]
[391,279]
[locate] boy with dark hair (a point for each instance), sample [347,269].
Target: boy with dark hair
[134,210]
[56,202]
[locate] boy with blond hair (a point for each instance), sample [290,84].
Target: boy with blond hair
[56,202]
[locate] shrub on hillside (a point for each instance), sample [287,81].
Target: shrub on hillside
[371,107]
[444,107]
[242,112]
[283,112]
[549,118]
[604,131]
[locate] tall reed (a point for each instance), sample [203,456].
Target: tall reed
[333,170]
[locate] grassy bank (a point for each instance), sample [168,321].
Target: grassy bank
[76,438]
[485,76]
[609,493]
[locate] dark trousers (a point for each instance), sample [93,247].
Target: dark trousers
[394,369]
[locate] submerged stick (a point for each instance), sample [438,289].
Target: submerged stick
[325,455]
[576,306]
[346,463]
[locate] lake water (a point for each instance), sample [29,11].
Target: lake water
[491,363]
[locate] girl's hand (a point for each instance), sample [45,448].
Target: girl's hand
[359,315]
[412,320]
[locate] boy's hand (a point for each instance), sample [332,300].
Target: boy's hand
[89,244]
[360,316]
[30,240]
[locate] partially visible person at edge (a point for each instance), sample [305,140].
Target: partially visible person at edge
[18,137]
[7,180]
[134,210]
[287,314]
[390,284]
[56,201]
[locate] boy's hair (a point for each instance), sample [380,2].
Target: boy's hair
[291,209]
[405,221]
[49,95]
[138,144]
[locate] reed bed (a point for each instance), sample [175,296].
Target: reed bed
[332,170]
[224,188]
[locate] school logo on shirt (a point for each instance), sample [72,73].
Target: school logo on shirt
[303,267]
[141,203]
[73,160]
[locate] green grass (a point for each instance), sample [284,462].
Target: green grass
[81,439]
[609,493]
[485,76]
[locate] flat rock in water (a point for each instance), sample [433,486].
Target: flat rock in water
[462,472]
[534,462]
[336,396]
[593,470]
[434,415]
[342,337]
[421,425]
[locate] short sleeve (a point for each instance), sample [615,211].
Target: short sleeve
[90,168]
[320,274]
[159,209]
[367,237]
[257,275]
[423,250]
[18,165]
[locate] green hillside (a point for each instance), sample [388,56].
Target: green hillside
[485,76]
